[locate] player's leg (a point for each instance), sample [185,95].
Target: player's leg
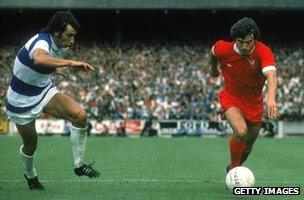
[27,154]
[64,107]
[238,124]
[253,132]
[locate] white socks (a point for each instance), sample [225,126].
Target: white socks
[79,139]
[28,164]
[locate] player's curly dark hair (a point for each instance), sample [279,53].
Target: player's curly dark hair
[59,22]
[243,27]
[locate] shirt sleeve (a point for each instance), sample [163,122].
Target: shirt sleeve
[218,48]
[267,60]
[41,44]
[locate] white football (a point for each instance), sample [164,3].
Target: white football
[239,177]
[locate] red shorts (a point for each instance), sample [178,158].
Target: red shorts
[252,109]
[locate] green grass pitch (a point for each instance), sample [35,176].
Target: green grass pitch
[149,168]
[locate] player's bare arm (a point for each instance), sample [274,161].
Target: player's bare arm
[272,108]
[42,58]
[213,68]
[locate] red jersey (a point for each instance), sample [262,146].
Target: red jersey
[243,75]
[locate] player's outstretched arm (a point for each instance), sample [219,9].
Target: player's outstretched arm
[42,58]
[272,108]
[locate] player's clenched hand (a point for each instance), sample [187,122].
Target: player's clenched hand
[273,110]
[82,65]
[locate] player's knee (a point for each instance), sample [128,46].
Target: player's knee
[80,118]
[241,132]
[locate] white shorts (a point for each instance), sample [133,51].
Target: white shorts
[34,113]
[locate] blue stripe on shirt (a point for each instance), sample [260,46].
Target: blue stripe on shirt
[42,36]
[24,58]
[24,88]
[16,109]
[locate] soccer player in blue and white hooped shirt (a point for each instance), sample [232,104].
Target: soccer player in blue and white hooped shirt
[31,93]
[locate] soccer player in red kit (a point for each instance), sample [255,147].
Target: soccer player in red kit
[245,64]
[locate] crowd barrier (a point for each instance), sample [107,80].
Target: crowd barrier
[159,127]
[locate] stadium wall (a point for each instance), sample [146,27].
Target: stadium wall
[107,25]
[156,4]
[162,127]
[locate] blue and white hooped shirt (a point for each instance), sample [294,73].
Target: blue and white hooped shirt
[30,83]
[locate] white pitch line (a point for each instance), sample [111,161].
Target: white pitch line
[136,180]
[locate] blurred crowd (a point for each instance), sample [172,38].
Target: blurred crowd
[164,80]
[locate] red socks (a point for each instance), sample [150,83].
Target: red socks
[236,152]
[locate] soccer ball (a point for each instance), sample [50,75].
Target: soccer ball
[239,177]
